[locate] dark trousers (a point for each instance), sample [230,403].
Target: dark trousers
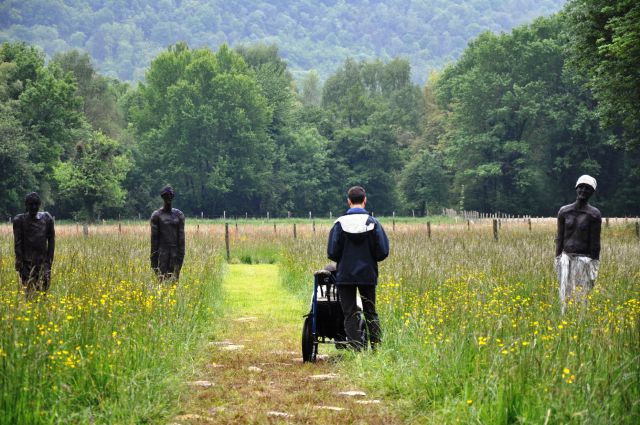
[351,312]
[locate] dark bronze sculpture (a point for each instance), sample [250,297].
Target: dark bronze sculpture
[167,238]
[578,244]
[34,241]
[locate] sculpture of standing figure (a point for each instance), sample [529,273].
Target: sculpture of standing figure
[578,244]
[167,238]
[34,241]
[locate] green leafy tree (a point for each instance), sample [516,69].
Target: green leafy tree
[16,172]
[604,40]
[202,120]
[275,80]
[367,156]
[306,177]
[424,184]
[375,109]
[91,179]
[43,101]
[99,96]
[518,128]
[21,64]
[345,96]
[604,52]
[50,114]
[311,93]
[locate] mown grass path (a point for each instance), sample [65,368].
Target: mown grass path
[255,371]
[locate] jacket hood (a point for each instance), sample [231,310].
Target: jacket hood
[356,223]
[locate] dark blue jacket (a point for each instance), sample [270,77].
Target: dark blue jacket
[356,243]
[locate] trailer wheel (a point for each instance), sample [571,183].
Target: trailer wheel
[309,344]
[364,332]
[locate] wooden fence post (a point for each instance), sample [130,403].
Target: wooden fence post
[314,226]
[495,229]
[638,229]
[295,234]
[529,225]
[226,240]
[274,228]
[429,229]
[468,224]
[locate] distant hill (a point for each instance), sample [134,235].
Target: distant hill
[123,36]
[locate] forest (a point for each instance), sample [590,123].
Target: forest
[508,126]
[122,37]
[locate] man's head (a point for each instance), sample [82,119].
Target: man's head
[167,193]
[32,203]
[356,196]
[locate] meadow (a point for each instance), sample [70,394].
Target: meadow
[472,326]
[474,333]
[108,344]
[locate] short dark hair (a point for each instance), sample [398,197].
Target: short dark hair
[356,194]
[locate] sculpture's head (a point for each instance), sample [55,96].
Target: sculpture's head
[32,203]
[167,193]
[585,187]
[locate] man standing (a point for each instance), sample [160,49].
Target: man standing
[167,238]
[578,244]
[357,242]
[34,242]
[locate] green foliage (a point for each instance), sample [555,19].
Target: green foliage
[124,37]
[92,177]
[604,51]
[16,173]
[508,127]
[99,95]
[518,126]
[41,120]
[50,112]
[311,93]
[375,110]
[307,166]
[605,46]
[203,124]
[424,183]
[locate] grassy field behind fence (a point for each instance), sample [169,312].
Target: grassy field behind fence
[473,331]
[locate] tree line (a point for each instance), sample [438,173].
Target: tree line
[508,127]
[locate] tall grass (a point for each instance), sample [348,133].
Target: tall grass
[108,344]
[473,331]
[472,327]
